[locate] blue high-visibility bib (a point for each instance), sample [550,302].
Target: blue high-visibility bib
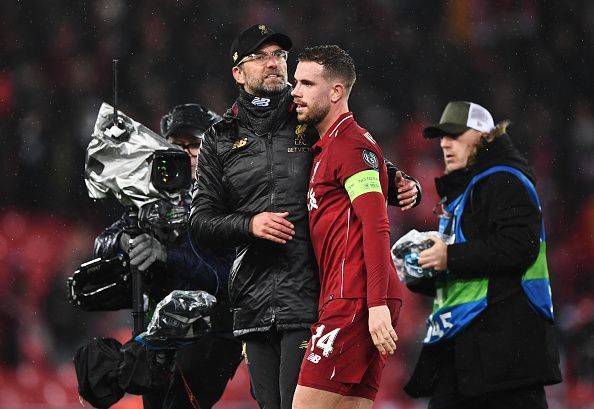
[459,301]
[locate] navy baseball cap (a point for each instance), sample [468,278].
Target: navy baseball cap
[252,38]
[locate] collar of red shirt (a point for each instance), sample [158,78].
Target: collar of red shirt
[341,121]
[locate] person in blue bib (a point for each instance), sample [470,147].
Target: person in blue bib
[490,339]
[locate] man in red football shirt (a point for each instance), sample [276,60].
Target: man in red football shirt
[360,293]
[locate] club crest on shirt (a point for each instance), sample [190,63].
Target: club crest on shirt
[370,158]
[312,203]
[300,140]
[239,143]
[300,129]
[301,144]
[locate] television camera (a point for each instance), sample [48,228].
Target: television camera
[149,176]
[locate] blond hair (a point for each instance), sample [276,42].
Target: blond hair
[499,130]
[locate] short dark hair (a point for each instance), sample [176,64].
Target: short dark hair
[336,63]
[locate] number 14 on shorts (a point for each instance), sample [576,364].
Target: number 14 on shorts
[322,341]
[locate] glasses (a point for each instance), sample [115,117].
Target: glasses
[262,58]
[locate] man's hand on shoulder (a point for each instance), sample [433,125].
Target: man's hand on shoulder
[382,332]
[404,191]
[272,226]
[407,191]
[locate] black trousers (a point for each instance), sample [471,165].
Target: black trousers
[445,395]
[207,366]
[525,398]
[274,359]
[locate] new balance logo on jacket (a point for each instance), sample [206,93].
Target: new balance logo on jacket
[261,102]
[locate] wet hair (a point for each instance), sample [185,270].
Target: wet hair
[337,63]
[499,130]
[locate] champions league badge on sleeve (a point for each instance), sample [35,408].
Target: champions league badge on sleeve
[370,158]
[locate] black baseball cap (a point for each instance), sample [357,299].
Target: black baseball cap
[192,119]
[252,38]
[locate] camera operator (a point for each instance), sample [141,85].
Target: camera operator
[208,364]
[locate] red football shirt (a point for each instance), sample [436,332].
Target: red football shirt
[336,231]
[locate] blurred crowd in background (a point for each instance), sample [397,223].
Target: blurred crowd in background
[525,60]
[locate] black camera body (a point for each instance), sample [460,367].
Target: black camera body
[101,285]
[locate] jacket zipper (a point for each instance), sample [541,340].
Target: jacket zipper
[272,307]
[269,151]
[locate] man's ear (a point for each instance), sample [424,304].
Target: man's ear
[337,92]
[238,75]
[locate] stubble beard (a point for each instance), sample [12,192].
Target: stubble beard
[271,89]
[315,114]
[259,86]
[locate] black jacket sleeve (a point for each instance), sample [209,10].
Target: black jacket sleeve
[502,225]
[107,244]
[212,221]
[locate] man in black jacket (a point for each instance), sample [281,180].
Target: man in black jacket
[251,194]
[490,339]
